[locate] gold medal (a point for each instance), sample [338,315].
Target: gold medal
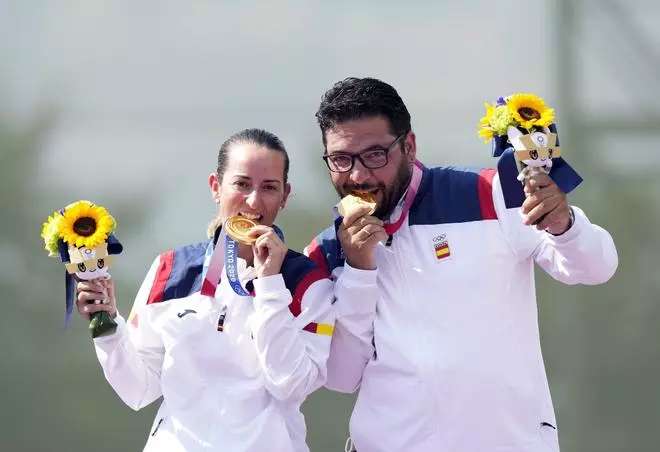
[238,228]
[354,200]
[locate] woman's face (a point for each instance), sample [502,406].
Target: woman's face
[252,185]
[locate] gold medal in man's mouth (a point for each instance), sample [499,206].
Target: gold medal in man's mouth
[356,199]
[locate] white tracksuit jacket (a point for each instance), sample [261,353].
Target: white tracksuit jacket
[232,371]
[442,340]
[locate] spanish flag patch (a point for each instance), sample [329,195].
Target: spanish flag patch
[320,328]
[442,251]
[441,247]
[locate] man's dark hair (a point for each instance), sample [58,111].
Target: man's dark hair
[356,98]
[258,137]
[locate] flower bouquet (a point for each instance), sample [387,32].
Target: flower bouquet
[81,235]
[524,137]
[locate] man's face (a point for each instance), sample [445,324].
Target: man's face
[386,183]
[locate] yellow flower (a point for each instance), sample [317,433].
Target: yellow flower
[51,233]
[530,110]
[496,122]
[485,130]
[86,224]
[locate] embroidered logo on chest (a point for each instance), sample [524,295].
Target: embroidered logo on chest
[182,314]
[441,247]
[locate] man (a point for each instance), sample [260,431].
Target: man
[436,305]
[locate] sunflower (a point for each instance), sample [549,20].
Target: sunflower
[496,122]
[51,233]
[86,224]
[485,130]
[530,110]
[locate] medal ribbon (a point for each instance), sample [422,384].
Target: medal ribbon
[225,254]
[416,180]
[390,226]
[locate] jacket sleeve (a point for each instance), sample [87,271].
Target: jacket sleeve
[585,254]
[293,350]
[352,345]
[132,357]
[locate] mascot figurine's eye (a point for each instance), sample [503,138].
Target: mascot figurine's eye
[533,154]
[549,153]
[81,267]
[100,264]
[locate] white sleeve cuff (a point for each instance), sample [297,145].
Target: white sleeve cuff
[271,289]
[111,339]
[356,292]
[355,277]
[574,231]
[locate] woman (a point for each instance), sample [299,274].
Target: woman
[234,367]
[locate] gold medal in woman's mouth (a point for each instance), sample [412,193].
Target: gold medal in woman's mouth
[238,228]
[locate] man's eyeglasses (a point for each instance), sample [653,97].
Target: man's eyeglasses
[342,162]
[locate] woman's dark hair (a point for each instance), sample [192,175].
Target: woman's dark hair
[258,137]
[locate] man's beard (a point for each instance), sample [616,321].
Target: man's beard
[391,195]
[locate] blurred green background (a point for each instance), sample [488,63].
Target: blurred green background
[126,103]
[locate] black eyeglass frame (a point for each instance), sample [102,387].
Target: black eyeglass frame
[358,156]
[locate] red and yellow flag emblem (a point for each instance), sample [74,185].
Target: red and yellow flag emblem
[442,250]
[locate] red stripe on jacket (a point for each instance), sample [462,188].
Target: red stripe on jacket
[315,253]
[310,278]
[486,194]
[157,292]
